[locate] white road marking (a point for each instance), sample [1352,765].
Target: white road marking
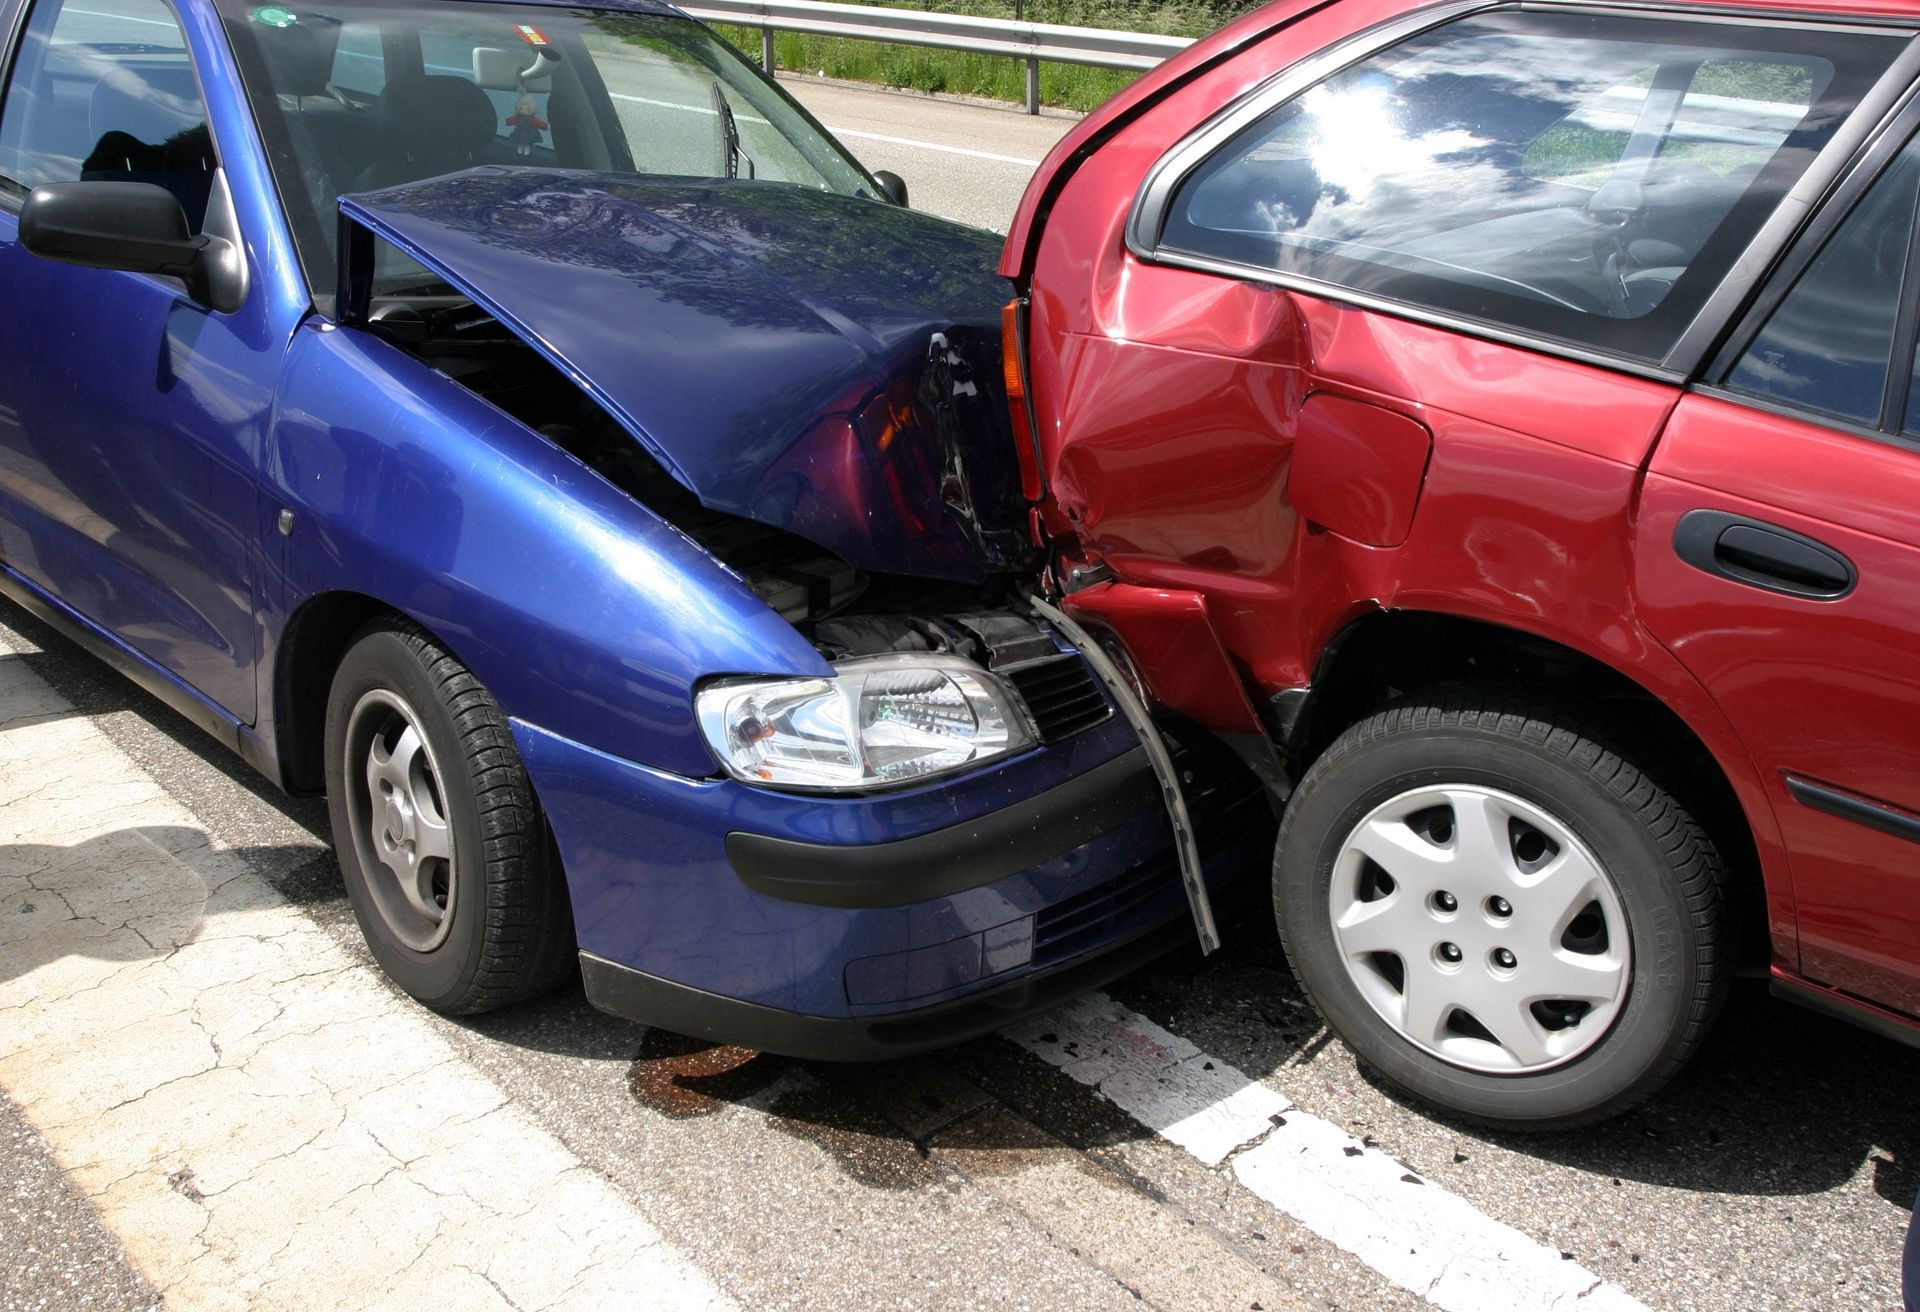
[708,110]
[125,18]
[968,151]
[258,1119]
[1410,1230]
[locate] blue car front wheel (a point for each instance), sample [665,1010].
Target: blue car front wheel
[446,858]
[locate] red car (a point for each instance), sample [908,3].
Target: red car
[1500,422]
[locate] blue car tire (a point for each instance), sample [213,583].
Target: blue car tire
[447,859]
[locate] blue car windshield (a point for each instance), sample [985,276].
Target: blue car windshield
[356,95]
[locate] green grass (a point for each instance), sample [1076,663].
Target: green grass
[961,72]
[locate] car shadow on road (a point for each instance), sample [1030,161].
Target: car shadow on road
[130,895]
[880,1123]
[1779,1101]
[58,902]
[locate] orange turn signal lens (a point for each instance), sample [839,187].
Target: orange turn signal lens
[1013,347]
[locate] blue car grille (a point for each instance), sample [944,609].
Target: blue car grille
[1062,694]
[1223,800]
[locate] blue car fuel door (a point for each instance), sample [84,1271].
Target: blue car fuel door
[130,414]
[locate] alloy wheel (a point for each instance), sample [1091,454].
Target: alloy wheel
[397,813]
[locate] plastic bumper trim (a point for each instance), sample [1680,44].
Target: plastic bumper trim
[951,860]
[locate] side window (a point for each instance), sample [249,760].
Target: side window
[105,96]
[1584,178]
[1582,149]
[1737,112]
[1827,346]
[359,63]
[1734,115]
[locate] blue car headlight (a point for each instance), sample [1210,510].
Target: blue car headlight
[879,721]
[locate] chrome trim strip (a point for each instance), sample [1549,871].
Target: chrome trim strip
[1733,15]
[1327,291]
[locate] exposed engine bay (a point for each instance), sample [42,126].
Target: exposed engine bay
[843,611]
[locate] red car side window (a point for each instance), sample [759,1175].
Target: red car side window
[1585,179]
[1826,347]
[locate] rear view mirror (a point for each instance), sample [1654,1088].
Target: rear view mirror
[136,227]
[894,186]
[502,70]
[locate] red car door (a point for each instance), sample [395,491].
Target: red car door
[1778,557]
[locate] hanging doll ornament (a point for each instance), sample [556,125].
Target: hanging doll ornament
[527,125]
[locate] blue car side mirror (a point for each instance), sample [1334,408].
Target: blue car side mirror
[135,227]
[894,186]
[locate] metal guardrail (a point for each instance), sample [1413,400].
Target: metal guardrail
[1031,42]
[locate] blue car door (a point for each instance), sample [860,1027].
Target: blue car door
[130,416]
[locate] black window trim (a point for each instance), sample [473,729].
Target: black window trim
[1856,177]
[15,13]
[1906,331]
[1696,343]
[12,201]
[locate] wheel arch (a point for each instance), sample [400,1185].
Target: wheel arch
[1388,652]
[312,643]
[581,609]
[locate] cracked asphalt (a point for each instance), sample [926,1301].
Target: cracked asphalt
[211,1099]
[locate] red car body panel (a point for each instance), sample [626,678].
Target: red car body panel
[1172,634]
[1190,427]
[1831,698]
[1357,469]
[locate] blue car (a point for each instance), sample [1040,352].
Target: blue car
[524,424]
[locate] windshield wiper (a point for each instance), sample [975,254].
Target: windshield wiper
[732,157]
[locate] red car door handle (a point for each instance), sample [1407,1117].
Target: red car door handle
[1762,555]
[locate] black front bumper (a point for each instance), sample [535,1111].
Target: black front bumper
[951,860]
[663,1004]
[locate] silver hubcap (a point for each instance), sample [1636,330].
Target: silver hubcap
[1480,928]
[399,820]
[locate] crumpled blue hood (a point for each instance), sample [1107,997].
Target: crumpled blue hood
[825,364]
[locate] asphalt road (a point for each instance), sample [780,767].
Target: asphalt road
[967,162]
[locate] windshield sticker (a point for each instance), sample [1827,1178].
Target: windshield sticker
[275,16]
[533,36]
